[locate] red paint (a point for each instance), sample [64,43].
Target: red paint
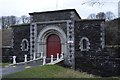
[53,45]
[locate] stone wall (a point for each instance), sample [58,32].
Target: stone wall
[7,54]
[96,60]
[6,45]
[112,31]
[6,37]
[20,32]
[53,15]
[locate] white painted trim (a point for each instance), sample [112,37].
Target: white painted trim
[71,42]
[24,40]
[33,26]
[6,46]
[87,44]
[71,50]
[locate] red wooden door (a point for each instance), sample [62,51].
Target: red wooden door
[53,45]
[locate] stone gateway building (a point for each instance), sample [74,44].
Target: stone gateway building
[63,31]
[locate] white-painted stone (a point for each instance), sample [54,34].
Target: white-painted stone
[62,56]
[34,56]
[44,60]
[25,58]
[87,44]
[57,56]
[14,59]
[41,55]
[51,59]
[70,41]
[23,47]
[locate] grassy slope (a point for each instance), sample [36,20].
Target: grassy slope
[50,71]
[4,64]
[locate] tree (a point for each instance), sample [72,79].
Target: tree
[3,22]
[25,19]
[93,2]
[92,16]
[109,15]
[18,20]
[7,21]
[97,2]
[101,15]
[13,20]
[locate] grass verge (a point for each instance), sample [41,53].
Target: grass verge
[49,71]
[54,72]
[4,64]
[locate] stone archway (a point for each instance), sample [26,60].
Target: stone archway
[45,33]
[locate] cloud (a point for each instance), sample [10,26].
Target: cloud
[23,7]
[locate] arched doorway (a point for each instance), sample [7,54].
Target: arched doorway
[53,45]
[44,35]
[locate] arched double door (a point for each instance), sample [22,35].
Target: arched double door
[53,45]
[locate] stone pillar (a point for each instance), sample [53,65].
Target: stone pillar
[61,56]
[14,59]
[44,60]
[34,56]
[51,59]
[41,55]
[25,58]
[33,40]
[57,56]
[70,41]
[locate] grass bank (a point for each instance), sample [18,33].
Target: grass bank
[57,72]
[49,71]
[4,64]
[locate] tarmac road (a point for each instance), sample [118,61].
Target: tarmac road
[17,68]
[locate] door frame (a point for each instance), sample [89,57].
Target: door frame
[42,37]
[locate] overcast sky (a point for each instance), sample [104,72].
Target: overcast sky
[23,7]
